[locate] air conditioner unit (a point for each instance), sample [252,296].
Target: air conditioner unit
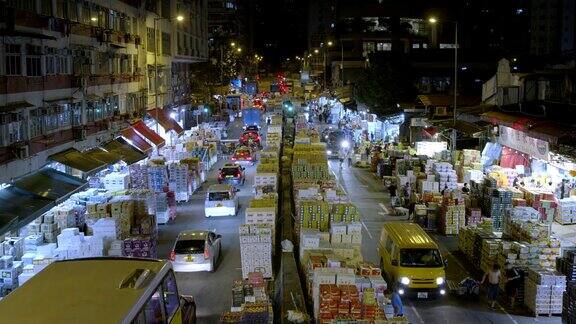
[79,134]
[23,152]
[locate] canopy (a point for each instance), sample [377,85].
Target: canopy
[127,152]
[19,207]
[98,153]
[165,121]
[75,159]
[135,139]
[145,131]
[49,183]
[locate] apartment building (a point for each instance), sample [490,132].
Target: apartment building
[74,72]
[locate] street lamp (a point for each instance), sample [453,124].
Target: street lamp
[179,18]
[232,44]
[316,51]
[239,50]
[433,21]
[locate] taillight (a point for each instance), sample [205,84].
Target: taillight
[257,138]
[206,253]
[172,255]
[233,159]
[238,174]
[249,158]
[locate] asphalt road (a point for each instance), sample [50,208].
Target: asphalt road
[212,291]
[368,193]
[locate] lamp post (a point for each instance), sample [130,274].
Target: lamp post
[433,21]
[178,18]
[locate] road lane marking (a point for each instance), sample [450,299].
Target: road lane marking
[366,228]
[415,311]
[507,314]
[384,207]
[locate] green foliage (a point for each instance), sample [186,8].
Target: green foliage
[384,84]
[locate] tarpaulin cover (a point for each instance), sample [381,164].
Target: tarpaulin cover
[75,159]
[511,158]
[165,121]
[127,152]
[49,183]
[101,154]
[145,131]
[136,140]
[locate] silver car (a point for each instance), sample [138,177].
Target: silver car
[196,251]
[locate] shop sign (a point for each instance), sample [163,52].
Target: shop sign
[520,141]
[430,148]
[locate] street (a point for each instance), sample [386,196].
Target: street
[212,291]
[373,201]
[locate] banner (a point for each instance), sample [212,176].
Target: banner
[520,141]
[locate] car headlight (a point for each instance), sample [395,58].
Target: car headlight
[439,280]
[329,152]
[405,280]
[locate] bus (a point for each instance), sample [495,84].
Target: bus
[100,290]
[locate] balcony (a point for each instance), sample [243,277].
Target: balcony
[97,80]
[18,84]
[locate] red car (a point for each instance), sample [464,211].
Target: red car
[250,138]
[232,174]
[245,155]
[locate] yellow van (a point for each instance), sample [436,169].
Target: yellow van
[411,261]
[100,290]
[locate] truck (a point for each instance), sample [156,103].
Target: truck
[251,116]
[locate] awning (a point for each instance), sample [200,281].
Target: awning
[49,183]
[93,97]
[165,121]
[19,207]
[98,153]
[461,126]
[145,131]
[448,101]
[15,106]
[75,159]
[135,139]
[61,100]
[127,152]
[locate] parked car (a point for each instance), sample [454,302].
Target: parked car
[252,128]
[196,250]
[232,174]
[244,155]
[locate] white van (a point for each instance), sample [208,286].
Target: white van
[221,200]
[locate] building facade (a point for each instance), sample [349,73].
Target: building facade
[74,72]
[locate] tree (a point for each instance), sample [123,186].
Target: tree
[384,84]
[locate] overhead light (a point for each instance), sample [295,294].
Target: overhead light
[94,19]
[432,20]
[316,51]
[330,43]
[180,18]
[232,44]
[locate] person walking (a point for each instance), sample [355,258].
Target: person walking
[392,191]
[493,277]
[414,199]
[406,194]
[513,282]
[465,189]
[396,302]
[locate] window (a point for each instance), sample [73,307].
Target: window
[153,312]
[62,63]
[367,47]
[33,57]
[46,7]
[447,46]
[76,114]
[384,47]
[166,46]
[165,9]
[125,64]
[86,14]
[151,80]
[150,40]
[102,64]
[13,59]
[35,123]
[50,117]
[49,61]
[428,258]
[12,128]
[65,116]
[28,5]
[171,298]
